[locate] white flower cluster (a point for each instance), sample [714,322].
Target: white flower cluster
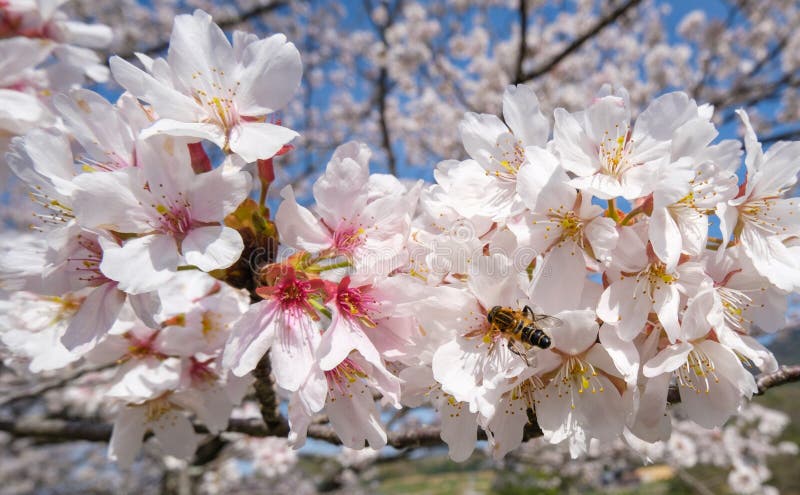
[562,275]
[42,52]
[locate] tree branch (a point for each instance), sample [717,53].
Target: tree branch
[383,93]
[523,40]
[578,42]
[786,374]
[781,136]
[225,23]
[424,436]
[46,387]
[268,402]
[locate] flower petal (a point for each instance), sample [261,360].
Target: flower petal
[259,140]
[142,264]
[212,248]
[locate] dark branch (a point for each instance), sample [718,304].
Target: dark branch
[46,387]
[523,40]
[268,402]
[786,374]
[790,135]
[578,42]
[424,436]
[225,23]
[383,93]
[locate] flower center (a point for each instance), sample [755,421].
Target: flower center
[759,214]
[576,375]
[341,377]
[509,157]
[66,306]
[201,372]
[348,240]
[57,212]
[217,95]
[210,323]
[87,262]
[157,408]
[654,277]
[561,225]
[614,153]
[356,304]
[695,372]
[175,220]
[734,302]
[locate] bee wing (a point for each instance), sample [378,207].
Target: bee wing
[546,321]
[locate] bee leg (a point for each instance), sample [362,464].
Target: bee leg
[515,350]
[528,312]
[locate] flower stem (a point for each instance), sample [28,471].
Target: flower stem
[319,269]
[612,210]
[320,307]
[631,214]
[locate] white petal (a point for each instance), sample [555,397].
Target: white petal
[665,237]
[456,366]
[624,354]
[354,417]
[480,133]
[666,305]
[142,264]
[175,434]
[564,263]
[126,439]
[98,125]
[293,352]
[212,248]
[215,194]
[667,360]
[168,102]
[108,200]
[251,337]
[459,429]
[507,425]
[600,185]
[271,76]
[170,127]
[601,413]
[651,423]
[297,225]
[346,176]
[259,140]
[577,333]
[522,114]
[197,47]
[576,150]
[96,315]
[623,305]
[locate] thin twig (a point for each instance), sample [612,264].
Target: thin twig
[578,42]
[46,387]
[225,23]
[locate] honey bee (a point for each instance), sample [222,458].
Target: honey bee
[523,328]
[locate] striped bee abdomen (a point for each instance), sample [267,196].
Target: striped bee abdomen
[536,337]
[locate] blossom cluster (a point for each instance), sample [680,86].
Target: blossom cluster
[42,52]
[153,257]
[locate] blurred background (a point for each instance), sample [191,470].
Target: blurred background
[399,75]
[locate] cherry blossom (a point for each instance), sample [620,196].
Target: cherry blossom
[194,308]
[209,89]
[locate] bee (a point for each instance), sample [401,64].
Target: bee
[523,328]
